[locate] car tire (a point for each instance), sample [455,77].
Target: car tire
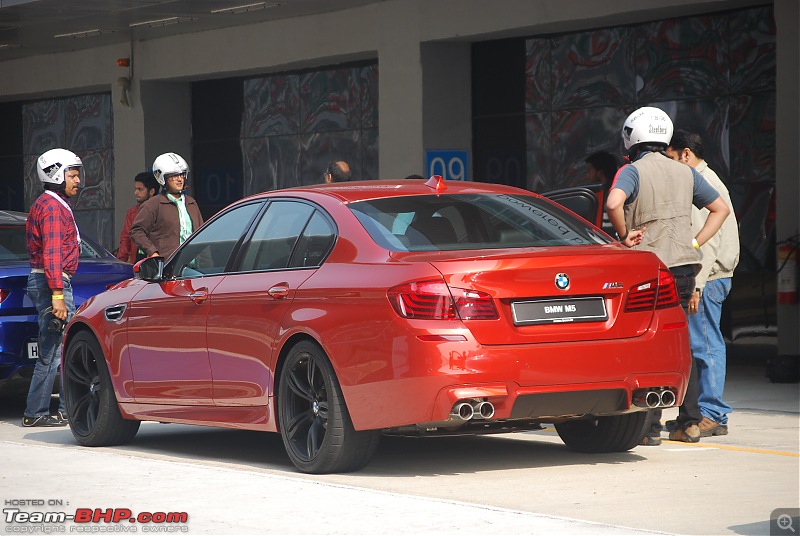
[94,416]
[616,433]
[314,422]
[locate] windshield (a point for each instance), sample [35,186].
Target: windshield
[12,243]
[472,221]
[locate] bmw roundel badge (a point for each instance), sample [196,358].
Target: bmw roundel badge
[562,281]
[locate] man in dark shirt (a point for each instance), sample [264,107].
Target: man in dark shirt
[53,242]
[145,187]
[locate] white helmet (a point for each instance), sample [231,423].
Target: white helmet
[647,125]
[168,164]
[51,165]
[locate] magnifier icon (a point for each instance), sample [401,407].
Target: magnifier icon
[785,522]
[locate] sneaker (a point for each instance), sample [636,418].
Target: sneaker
[62,416]
[650,441]
[709,427]
[690,434]
[42,420]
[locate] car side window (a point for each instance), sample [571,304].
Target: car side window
[314,244]
[276,235]
[88,251]
[208,251]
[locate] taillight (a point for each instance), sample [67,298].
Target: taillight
[642,297]
[434,300]
[4,292]
[424,299]
[474,305]
[655,294]
[667,290]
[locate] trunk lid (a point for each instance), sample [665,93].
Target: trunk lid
[589,304]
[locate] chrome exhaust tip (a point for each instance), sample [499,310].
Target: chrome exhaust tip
[667,398]
[484,409]
[462,411]
[652,399]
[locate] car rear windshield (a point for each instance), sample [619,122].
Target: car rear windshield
[472,221]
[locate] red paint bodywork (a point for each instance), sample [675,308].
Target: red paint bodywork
[215,360]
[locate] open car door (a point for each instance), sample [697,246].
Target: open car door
[586,201]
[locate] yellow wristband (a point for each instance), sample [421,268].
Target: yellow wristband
[695,244]
[58,296]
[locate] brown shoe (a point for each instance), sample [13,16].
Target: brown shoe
[650,441]
[709,427]
[690,434]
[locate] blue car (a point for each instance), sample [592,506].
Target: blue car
[97,271]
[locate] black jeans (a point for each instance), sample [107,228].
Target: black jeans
[689,411]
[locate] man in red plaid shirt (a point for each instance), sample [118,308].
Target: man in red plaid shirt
[53,242]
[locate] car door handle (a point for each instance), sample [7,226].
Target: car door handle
[279,291]
[199,296]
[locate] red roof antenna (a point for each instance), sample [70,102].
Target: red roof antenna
[437,183]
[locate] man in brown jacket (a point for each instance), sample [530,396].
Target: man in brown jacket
[165,221]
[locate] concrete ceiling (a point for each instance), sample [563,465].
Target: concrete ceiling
[34,27]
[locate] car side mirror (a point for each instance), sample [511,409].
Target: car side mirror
[149,269]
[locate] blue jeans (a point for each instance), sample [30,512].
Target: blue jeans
[44,373]
[708,347]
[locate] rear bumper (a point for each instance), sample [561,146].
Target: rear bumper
[15,333]
[538,381]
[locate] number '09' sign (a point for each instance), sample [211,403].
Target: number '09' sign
[451,165]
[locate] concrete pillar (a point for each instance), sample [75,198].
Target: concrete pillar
[425,100]
[400,91]
[447,98]
[128,150]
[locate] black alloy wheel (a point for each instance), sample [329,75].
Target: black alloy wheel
[314,422]
[94,415]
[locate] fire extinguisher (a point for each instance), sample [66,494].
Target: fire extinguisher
[787,270]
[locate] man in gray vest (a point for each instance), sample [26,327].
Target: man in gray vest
[650,207]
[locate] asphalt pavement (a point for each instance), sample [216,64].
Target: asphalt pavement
[241,482]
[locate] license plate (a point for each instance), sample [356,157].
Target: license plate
[560,310]
[33,350]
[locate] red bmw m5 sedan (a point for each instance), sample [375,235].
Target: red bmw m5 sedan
[334,314]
